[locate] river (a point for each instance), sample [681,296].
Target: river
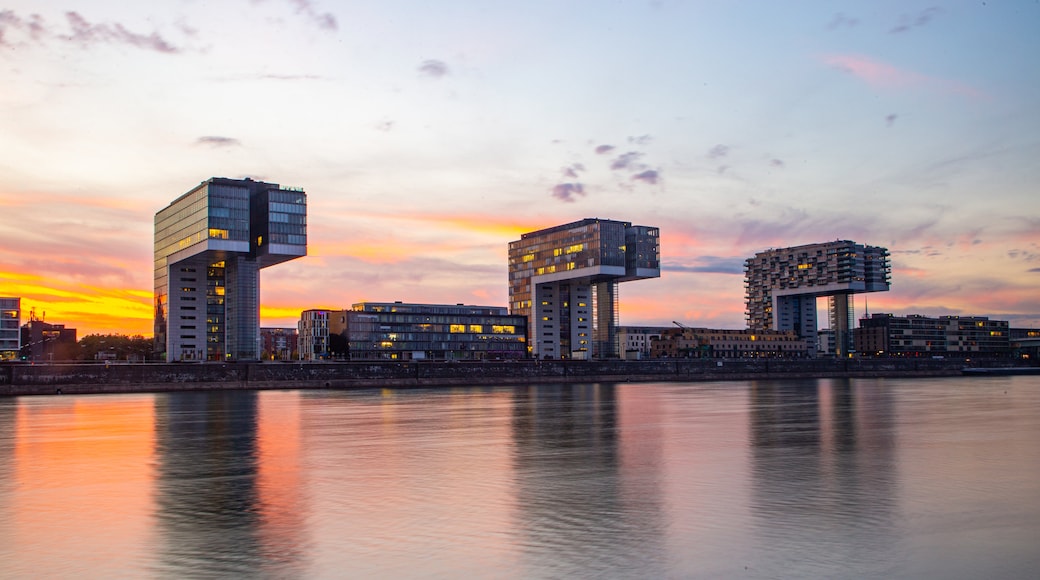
[827,478]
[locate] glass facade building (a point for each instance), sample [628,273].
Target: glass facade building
[564,280]
[10,328]
[210,245]
[400,331]
[782,286]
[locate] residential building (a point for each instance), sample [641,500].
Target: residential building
[10,328]
[210,245]
[564,280]
[313,334]
[713,343]
[403,331]
[1025,342]
[635,341]
[278,343]
[916,335]
[782,286]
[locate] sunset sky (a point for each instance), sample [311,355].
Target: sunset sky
[428,135]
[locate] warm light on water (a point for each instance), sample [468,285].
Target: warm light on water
[926,478]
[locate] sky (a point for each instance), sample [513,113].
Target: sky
[428,135]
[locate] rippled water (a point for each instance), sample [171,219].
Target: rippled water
[926,478]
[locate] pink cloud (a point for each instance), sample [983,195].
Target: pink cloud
[882,75]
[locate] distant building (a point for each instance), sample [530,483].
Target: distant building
[727,344]
[782,286]
[10,328]
[825,343]
[313,334]
[210,245]
[635,341]
[403,331]
[278,343]
[564,280]
[916,335]
[1025,342]
[45,342]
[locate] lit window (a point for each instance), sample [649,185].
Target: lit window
[476,328]
[218,234]
[457,328]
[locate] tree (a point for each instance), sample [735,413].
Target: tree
[115,347]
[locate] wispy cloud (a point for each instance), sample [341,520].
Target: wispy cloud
[572,170]
[882,75]
[323,20]
[215,141]
[604,149]
[842,21]
[922,18]
[566,192]
[650,176]
[708,265]
[81,32]
[891,119]
[625,160]
[433,68]
[640,140]
[718,152]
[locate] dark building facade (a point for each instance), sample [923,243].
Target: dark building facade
[916,335]
[45,342]
[402,331]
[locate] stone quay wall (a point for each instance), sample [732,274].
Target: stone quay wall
[26,379]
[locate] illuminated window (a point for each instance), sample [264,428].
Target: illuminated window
[457,328]
[218,234]
[476,328]
[570,265]
[528,257]
[557,252]
[503,329]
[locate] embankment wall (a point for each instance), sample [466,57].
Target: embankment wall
[24,379]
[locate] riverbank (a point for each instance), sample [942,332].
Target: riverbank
[25,379]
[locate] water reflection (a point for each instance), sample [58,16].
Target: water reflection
[823,476]
[206,489]
[580,510]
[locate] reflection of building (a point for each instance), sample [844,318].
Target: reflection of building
[210,245]
[635,341]
[45,342]
[782,286]
[10,328]
[564,280]
[714,343]
[916,335]
[313,334]
[278,343]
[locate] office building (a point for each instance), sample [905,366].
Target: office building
[712,343]
[443,332]
[916,335]
[782,286]
[10,328]
[210,245]
[45,342]
[635,341]
[564,280]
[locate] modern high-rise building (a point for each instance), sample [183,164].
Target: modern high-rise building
[564,280]
[210,245]
[782,286]
[10,328]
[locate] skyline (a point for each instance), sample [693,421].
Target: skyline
[429,137]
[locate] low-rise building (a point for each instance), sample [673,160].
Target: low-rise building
[635,341]
[727,344]
[10,328]
[402,331]
[313,334]
[278,343]
[45,342]
[885,334]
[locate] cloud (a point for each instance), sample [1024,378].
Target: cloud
[650,176]
[776,162]
[566,191]
[718,152]
[604,149]
[572,170]
[922,18]
[640,140]
[215,141]
[86,34]
[386,125]
[9,20]
[891,119]
[626,160]
[433,69]
[324,20]
[881,75]
[840,21]
[1034,270]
